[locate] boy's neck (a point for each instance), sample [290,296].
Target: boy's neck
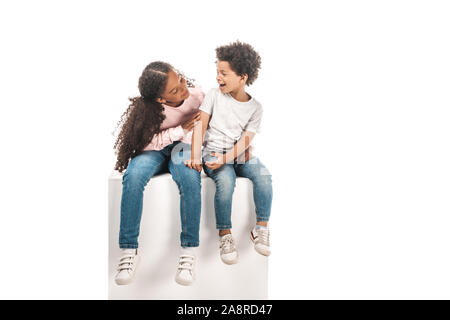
[240,95]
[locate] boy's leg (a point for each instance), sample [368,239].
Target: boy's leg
[189,184]
[262,187]
[225,179]
[138,173]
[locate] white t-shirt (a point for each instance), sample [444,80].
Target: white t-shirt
[229,118]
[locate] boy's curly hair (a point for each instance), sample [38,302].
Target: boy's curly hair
[143,117]
[243,59]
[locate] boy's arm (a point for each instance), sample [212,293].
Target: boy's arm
[197,141]
[239,147]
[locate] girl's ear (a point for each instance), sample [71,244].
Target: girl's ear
[161,100]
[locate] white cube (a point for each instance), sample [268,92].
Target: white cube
[159,245]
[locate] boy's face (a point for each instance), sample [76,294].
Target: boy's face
[227,79]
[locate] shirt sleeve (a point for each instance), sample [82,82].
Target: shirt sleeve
[208,103]
[199,95]
[187,138]
[254,124]
[164,138]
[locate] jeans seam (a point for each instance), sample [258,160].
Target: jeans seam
[190,244]
[128,246]
[183,207]
[223,227]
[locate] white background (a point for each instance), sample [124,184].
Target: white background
[355,132]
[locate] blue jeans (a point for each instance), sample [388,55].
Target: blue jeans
[225,179]
[138,173]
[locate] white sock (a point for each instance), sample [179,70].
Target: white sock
[227,234]
[189,250]
[129,251]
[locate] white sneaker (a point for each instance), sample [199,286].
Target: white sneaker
[186,268]
[260,238]
[127,266]
[228,252]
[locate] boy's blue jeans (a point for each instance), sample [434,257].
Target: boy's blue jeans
[139,171]
[225,179]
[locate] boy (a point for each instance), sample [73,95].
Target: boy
[231,117]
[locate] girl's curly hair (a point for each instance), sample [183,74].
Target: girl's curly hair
[143,117]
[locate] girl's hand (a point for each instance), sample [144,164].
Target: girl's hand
[195,164]
[216,164]
[189,124]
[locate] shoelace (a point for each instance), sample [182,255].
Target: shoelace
[126,262]
[263,235]
[227,244]
[186,262]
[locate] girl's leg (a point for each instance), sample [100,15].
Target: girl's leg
[225,179]
[262,187]
[189,185]
[138,173]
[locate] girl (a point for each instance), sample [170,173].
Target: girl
[153,125]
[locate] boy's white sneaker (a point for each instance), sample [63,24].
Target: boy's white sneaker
[127,266]
[186,268]
[260,238]
[228,252]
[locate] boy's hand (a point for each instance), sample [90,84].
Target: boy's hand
[195,164]
[216,164]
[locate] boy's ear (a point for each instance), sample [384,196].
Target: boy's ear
[244,77]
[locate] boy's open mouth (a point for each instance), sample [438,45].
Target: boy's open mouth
[222,84]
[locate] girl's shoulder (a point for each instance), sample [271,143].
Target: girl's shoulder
[197,93]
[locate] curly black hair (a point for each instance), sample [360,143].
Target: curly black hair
[143,117]
[243,59]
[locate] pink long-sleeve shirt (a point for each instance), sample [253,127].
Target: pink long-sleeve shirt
[171,129]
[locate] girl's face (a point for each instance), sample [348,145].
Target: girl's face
[227,79]
[176,90]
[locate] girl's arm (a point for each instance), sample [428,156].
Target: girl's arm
[164,138]
[168,136]
[197,141]
[239,147]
